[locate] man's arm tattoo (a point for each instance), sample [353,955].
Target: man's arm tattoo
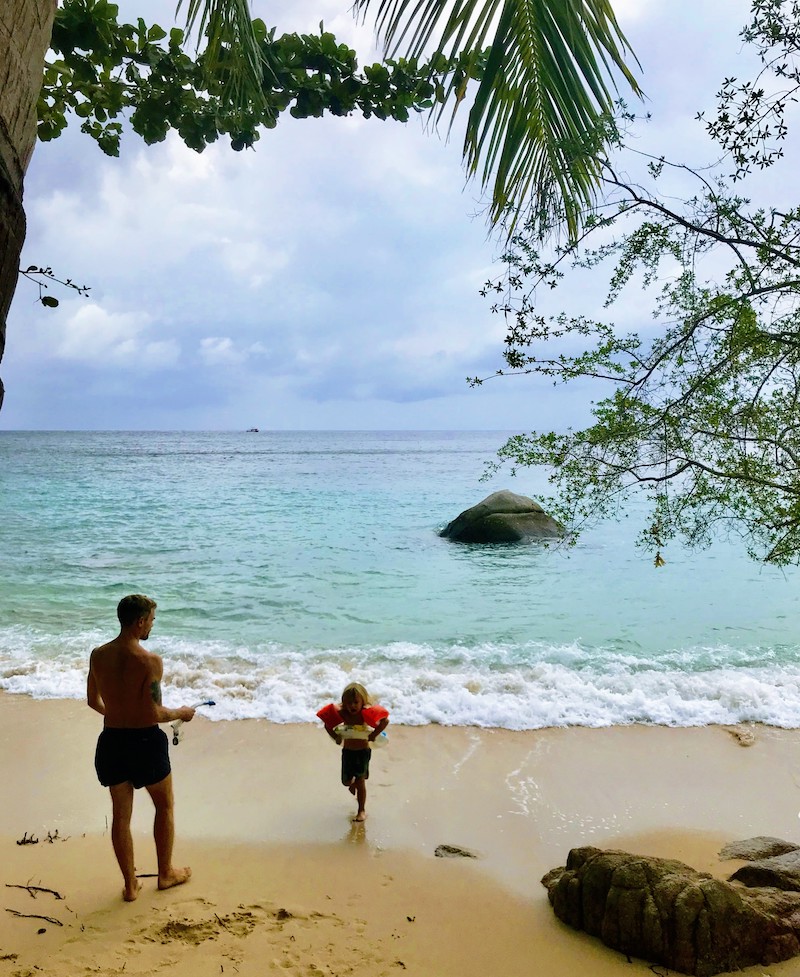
[155,692]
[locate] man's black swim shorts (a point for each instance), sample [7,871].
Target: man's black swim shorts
[140,756]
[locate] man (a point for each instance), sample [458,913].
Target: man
[124,686]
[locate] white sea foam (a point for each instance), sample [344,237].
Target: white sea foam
[487,686]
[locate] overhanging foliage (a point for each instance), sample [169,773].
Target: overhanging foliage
[702,402]
[105,72]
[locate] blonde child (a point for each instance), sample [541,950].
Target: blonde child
[355,709]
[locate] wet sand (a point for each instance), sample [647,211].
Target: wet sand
[285,883]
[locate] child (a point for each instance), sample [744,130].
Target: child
[355,710]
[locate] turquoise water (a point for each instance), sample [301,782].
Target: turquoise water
[287,564]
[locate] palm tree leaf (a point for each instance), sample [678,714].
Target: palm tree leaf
[532,118]
[232,48]
[547,85]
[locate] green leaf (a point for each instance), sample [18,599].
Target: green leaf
[536,121]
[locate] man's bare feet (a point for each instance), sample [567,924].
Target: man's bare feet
[361,816]
[130,893]
[176,877]
[352,786]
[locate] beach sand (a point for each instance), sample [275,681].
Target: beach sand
[285,883]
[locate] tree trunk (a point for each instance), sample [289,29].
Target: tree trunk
[25,27]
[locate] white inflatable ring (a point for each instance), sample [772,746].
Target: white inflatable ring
[360,733]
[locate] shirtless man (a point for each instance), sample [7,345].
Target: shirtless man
[124,686]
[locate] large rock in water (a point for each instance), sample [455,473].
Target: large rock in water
[667,913]
[503,517]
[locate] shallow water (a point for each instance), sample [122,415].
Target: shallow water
[286,564]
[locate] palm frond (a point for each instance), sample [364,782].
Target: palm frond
[536,122]
[232,48]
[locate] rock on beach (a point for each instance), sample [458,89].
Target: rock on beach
[665,912]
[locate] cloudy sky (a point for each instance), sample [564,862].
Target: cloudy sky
[328,280]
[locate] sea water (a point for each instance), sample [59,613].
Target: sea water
[287,564]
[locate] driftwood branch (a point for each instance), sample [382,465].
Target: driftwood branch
[31,839]
[33,889]
[47,919]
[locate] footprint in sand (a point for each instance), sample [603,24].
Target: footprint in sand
[195,931]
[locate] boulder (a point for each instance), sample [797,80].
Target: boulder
[453,851]
[667,913]
[780,871]
[503,517]
[762,846]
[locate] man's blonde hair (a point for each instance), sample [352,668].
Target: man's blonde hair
[353,690]
[134,607]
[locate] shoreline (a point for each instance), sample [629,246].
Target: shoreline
[264,822]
